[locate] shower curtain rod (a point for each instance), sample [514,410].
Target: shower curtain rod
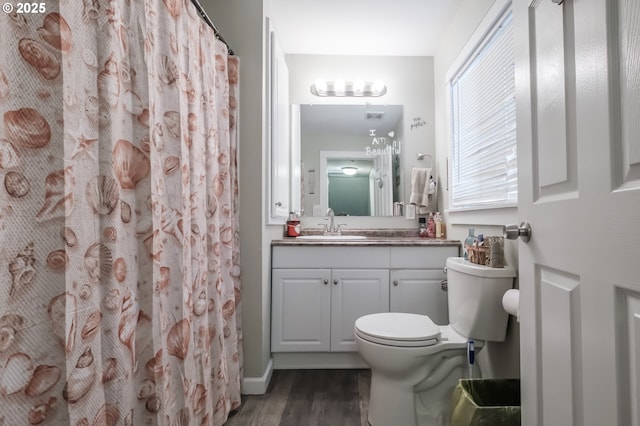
[209,22]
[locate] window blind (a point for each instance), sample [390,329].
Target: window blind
[484,169]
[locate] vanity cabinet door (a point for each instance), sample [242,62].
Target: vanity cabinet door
[354,293]
[419,291]
[301,305]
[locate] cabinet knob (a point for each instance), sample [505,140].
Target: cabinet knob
[326,281]
[395,282]
[335,282]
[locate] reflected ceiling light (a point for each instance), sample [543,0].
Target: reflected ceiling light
[349,171]
[356,88]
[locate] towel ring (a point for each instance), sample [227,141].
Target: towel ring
[421,156]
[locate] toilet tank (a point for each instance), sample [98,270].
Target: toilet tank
[475,299]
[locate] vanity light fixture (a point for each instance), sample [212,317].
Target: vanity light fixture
[356,88]
[349,171]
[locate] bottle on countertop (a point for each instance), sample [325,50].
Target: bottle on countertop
[293,225]
[439,226]
[431,227]
[423,227]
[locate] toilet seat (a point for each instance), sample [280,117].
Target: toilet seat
[398,329]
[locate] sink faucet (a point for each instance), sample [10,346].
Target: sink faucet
[331,228]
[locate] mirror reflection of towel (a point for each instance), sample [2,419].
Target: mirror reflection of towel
[420,188]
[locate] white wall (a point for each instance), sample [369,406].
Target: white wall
[241,24]
[497,359]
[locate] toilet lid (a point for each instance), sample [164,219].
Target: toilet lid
[399,327]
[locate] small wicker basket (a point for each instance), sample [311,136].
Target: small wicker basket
[490,253]
[478,254]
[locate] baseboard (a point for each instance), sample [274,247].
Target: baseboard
[257,385]
[315,360]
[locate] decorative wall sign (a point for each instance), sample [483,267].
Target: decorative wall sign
[417,122]
[380,145]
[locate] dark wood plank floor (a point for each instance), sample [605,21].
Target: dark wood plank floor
[308,398]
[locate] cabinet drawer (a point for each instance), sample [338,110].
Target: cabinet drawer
[331,257]
[421,257]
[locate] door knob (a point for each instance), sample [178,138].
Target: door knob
[512,232]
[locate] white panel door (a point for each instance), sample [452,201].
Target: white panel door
[578,97]
[354,293]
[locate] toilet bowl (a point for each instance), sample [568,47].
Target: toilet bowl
[432,359]
[415,364]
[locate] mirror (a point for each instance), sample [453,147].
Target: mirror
[366,139]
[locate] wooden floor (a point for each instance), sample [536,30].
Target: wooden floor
[308,398]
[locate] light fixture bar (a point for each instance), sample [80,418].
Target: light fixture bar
[357,88]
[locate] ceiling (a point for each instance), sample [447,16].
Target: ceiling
[362,27]
[349,120]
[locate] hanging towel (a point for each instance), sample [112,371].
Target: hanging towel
[420,188]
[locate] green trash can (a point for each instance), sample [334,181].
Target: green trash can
[486,402]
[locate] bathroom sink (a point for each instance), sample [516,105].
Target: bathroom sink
[331,237]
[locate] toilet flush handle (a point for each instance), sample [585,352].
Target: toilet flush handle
[444,285]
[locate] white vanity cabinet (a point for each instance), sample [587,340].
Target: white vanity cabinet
[319,292]
[416,275]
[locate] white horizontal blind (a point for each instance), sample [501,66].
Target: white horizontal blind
[484,123]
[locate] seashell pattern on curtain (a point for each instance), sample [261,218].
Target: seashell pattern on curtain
[119,247]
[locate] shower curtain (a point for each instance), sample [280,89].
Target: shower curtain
[119,256]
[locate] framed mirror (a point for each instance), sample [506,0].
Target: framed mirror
[351,158]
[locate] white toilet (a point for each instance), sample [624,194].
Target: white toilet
[415,364]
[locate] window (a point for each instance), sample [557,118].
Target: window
[483,117]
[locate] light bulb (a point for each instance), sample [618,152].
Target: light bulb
[377,86]
[321,85]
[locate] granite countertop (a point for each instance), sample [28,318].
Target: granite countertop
[377,237]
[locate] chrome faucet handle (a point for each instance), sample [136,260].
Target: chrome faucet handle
[325,227]
[339,227]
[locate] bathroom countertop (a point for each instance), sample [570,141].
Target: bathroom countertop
[372,239]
